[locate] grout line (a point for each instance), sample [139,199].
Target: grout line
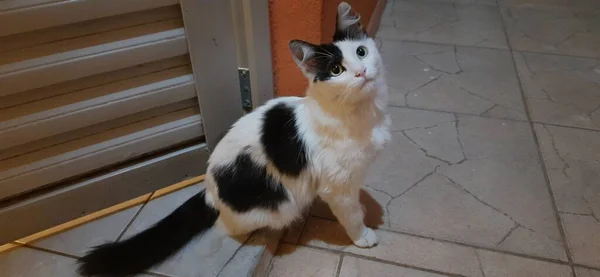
[235,253]
[82,220]
[443,43]
[135,216]
[373,259]
[556,54]
[566,126]
[560,224]
[586,266]
[26,241]
[156,274]
[469,245]
[479,247]
[303,228]
[339,265]
[498,118]
[508,49]
[458,113]
[51,251]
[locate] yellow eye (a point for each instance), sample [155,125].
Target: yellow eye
[361,51]
[336,70]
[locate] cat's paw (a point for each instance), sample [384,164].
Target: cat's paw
[368,239]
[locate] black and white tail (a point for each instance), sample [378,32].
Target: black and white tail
[152,246]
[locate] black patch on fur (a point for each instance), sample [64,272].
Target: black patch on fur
[152,246]
[352,34]
[281,141]
[245,185]
[325,57]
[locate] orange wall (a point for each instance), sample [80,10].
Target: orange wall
[309,20]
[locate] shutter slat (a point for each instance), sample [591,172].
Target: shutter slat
[33,124]
[34,170]
[95,129]
[18,16]
[80,46]
[49,70]
[40,37]
[92,81]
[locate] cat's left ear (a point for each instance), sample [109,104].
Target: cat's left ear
[303,54]
[348,25]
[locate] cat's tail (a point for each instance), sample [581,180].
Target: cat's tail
[152,246]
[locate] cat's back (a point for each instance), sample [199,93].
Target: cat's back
[252,131]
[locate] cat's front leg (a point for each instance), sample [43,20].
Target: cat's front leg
[345,205]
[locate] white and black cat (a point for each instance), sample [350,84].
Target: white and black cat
[276,160]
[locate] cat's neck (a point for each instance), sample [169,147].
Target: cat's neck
[355,117]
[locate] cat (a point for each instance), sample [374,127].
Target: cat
[273,162]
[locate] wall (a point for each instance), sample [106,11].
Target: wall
[309,20]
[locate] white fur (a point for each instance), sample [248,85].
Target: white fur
[343,124]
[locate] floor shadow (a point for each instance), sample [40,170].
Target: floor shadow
[329,231]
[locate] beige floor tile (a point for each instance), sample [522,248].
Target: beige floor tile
[583,272]
[26,262]
[578,5]
[465,178]
[502,171]
[355,267]
[373,201]
[205,256]
[437,207]
[292,234]
[452,78]
[444,22]
[295,261]
[500,265]
[79,240]
[254,257]
[571,157]
[561,90]
[583,234]
[404,163]
[427,253]
[554,30]
[398,248]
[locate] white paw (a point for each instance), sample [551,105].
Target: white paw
[368,239]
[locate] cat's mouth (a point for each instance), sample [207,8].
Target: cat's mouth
[366,82]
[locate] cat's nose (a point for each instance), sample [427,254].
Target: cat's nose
[361,73]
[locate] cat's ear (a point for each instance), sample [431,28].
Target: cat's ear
[348,24]
[303,54]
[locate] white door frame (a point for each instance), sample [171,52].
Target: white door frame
[253,46]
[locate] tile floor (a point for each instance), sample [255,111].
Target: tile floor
[55,256]
[494,169]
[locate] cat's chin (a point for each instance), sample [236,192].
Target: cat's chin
[368,84]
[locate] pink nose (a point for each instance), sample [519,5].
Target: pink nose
[361,73]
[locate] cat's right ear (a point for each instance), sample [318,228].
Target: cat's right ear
[303,54]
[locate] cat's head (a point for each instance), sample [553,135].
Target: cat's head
[348,68]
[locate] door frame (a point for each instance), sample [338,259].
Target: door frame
[253,46]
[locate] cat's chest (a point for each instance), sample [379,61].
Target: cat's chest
[348,149]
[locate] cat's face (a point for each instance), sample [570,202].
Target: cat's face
[346,69]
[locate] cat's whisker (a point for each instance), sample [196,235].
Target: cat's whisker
[328,51]
[325,54]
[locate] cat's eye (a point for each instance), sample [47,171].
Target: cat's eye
[361,51]
[336,70]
